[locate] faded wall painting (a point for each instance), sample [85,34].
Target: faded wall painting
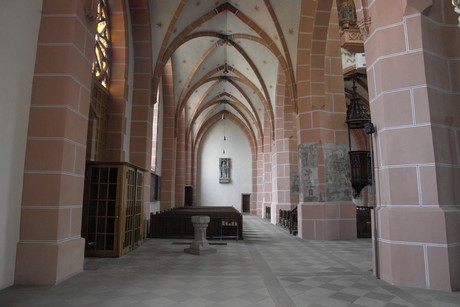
[337,168]
[308,167]
[294,183]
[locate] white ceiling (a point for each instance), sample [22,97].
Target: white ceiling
[203,49]
[249,37]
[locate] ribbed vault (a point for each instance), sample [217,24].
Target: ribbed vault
[226,56]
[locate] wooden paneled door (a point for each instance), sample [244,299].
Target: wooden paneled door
[246,202]
[188,196]
[132,232]
[112,222]
[101,211]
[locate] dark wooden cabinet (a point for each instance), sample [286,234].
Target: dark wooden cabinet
[112,220]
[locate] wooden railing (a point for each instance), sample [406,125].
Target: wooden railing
[288,220]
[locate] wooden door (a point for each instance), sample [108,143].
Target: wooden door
[188,196]
[100,225]
[112,219]
[132,211]
[246,201]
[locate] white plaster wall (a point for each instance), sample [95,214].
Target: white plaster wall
[19,25]
[209,191]
[159,105]
[155,206]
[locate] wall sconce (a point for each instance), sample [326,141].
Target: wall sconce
[223,114]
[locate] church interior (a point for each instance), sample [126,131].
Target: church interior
[326,133]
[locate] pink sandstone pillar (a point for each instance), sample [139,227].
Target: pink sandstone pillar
[413,67]
[169,146]
[259,182]
[267,174]
[325,209]
[142,103]
[50,247]
[180,162]
[284,153]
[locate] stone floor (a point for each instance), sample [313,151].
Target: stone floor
[268,268]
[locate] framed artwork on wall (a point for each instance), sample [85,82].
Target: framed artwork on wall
[224,170]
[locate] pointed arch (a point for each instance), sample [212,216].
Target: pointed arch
[179,40]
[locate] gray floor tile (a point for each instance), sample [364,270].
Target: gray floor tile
[269,268]
[344,297]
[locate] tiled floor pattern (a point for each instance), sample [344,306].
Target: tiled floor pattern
[268,268]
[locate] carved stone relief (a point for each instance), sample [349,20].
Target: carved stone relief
[224,170]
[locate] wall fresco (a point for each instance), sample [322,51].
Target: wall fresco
[294,183]
[308,166]
[337,168]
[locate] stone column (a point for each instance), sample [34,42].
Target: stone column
[169,146]
[326,210]
[50,248]
[413,66]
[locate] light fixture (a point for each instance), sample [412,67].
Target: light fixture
[224,136]
[369,128]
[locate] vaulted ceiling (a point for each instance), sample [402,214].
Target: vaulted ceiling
[226,56]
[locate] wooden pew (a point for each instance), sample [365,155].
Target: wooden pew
[288,219]
[176,223]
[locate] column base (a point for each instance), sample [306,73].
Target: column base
[420,247]
[327,221]
[48,263]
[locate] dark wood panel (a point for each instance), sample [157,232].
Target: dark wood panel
[176,223]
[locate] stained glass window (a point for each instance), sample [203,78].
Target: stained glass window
[101,63]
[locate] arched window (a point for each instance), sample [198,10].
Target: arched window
[101,63]
[100,97]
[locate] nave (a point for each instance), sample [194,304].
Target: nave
[268,268]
